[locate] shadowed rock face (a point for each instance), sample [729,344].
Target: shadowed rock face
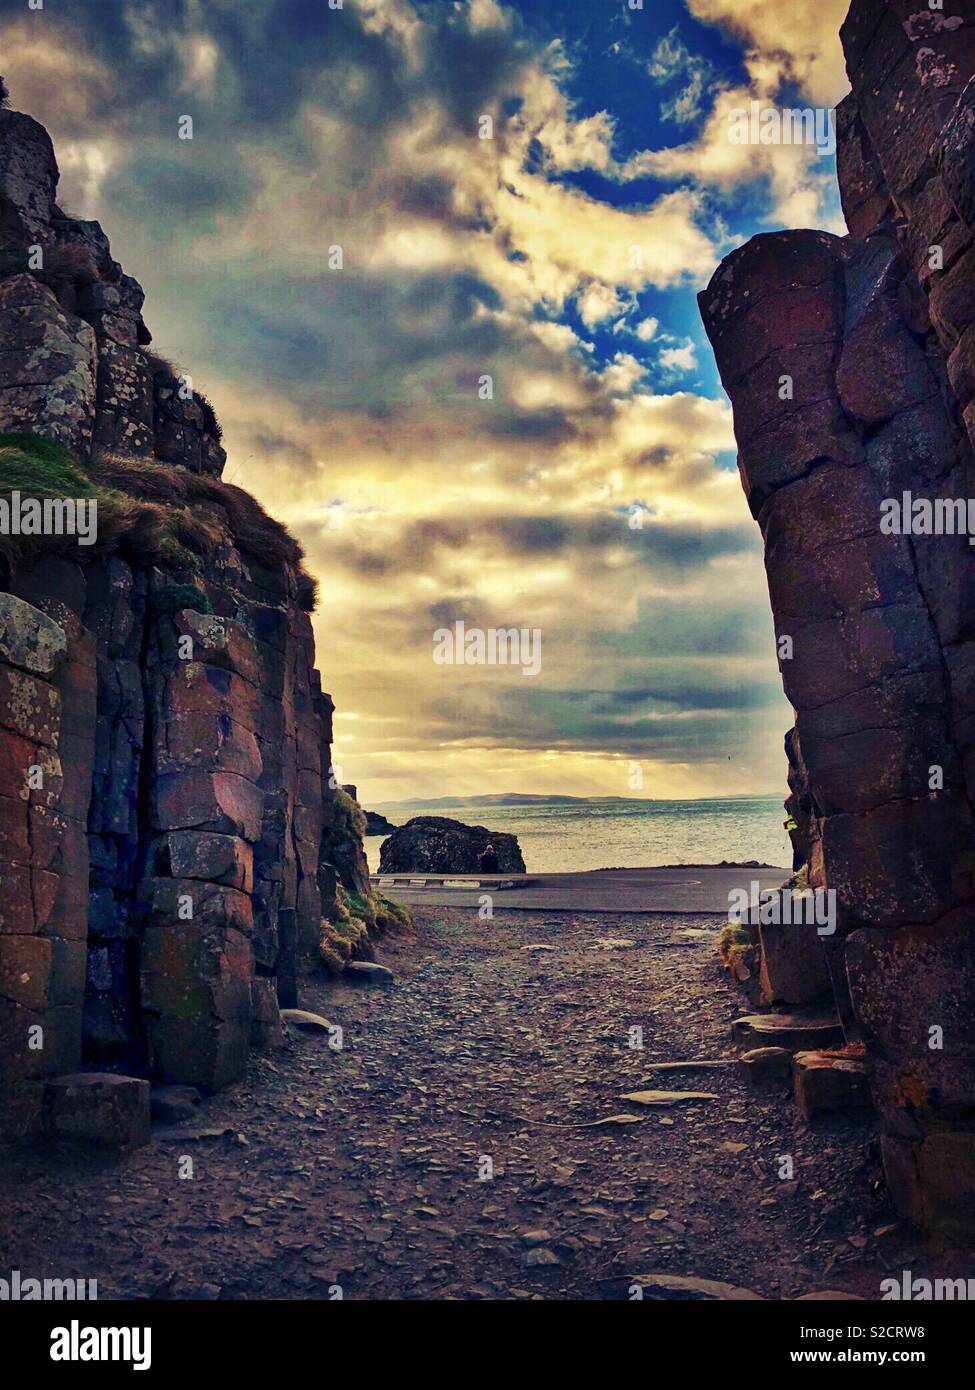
[439,845]
[850,363]
[170,837]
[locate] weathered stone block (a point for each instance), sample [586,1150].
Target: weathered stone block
[205,855]
[196,986]
[28,176]
[195,688]
[218,801]
[267,1032]
[25,970]
[29,707]
[99,1108]
[199,742]
[29,638]
[793,965]
[825,1083]
[47,368]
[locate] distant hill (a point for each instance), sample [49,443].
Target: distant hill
[533,799]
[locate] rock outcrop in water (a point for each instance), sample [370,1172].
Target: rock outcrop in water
[172,842]
[850,363]
[377,824]
[439,845]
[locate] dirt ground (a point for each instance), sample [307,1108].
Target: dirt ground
[366,1169]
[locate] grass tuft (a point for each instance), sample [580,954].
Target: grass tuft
[156,512]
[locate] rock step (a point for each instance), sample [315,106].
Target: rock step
[795,1032]
[825,1083]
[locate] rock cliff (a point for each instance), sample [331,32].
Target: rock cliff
[850,363]
[172,842]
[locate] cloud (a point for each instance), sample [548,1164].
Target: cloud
[576,498]
[671,60]
[803,44]
[679,359]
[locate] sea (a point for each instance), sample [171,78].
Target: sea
[558,838]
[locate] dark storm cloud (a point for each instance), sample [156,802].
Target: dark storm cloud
[595,539]
[529,717]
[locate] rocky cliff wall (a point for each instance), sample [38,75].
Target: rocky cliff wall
[171,838]
[850,363]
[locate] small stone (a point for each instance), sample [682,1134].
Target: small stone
[536,1237]
[367,972]
[541,1258]
[172,1105]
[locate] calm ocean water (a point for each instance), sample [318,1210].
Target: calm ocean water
[637,834]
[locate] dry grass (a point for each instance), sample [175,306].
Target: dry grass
[156,512]
[65,263]
[179,491]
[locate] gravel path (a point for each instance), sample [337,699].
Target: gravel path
[367,1168]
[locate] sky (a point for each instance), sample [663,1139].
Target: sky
[382,205]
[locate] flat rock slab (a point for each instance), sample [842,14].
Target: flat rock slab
[307,1022]
[796,1032]
[677,1286]
[693,1066]
[367,972]
[99,1108]
[666,1097]
[179,1134]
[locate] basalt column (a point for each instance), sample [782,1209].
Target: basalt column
[849,363]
